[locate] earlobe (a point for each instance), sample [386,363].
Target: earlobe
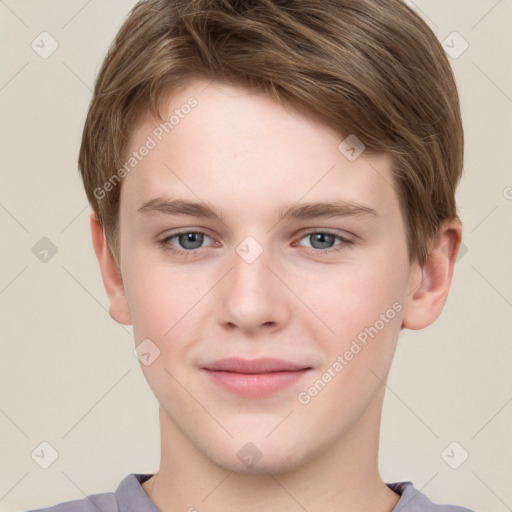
[111,275]
[430,284]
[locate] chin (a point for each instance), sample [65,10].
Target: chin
[262,467]
[251,460]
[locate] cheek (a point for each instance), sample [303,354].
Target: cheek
[362,304]
[352,297]
[159,294]
[366,320]
[167,307]
[162,304]
[148,298]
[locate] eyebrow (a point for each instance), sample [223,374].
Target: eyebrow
[180,207]
[337,208]
[312,210]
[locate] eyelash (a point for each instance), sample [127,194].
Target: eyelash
[346,243]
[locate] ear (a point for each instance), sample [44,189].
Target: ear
[112,278]
[429,285]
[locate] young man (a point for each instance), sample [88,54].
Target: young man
[272,185]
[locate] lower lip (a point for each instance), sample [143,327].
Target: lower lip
[255,385]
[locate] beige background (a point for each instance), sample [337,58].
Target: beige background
[68,375]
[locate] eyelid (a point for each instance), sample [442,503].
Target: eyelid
[166,239]
[345,241]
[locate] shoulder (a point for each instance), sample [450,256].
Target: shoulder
[412,500]
[129,496]
[106,502]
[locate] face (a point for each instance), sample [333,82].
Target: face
[267,273]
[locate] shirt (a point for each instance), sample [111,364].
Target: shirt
[131,497]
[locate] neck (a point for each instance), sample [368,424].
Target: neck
[344,478]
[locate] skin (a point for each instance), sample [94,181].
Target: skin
[246,156]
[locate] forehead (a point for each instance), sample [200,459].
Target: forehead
[225,144]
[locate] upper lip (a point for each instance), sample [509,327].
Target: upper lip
[261,365]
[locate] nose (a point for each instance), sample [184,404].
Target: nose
[251,297]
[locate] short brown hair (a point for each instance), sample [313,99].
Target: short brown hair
[372,68]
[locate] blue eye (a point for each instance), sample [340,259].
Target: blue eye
[323,242]
[188,241]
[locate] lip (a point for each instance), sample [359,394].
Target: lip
[254,378]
